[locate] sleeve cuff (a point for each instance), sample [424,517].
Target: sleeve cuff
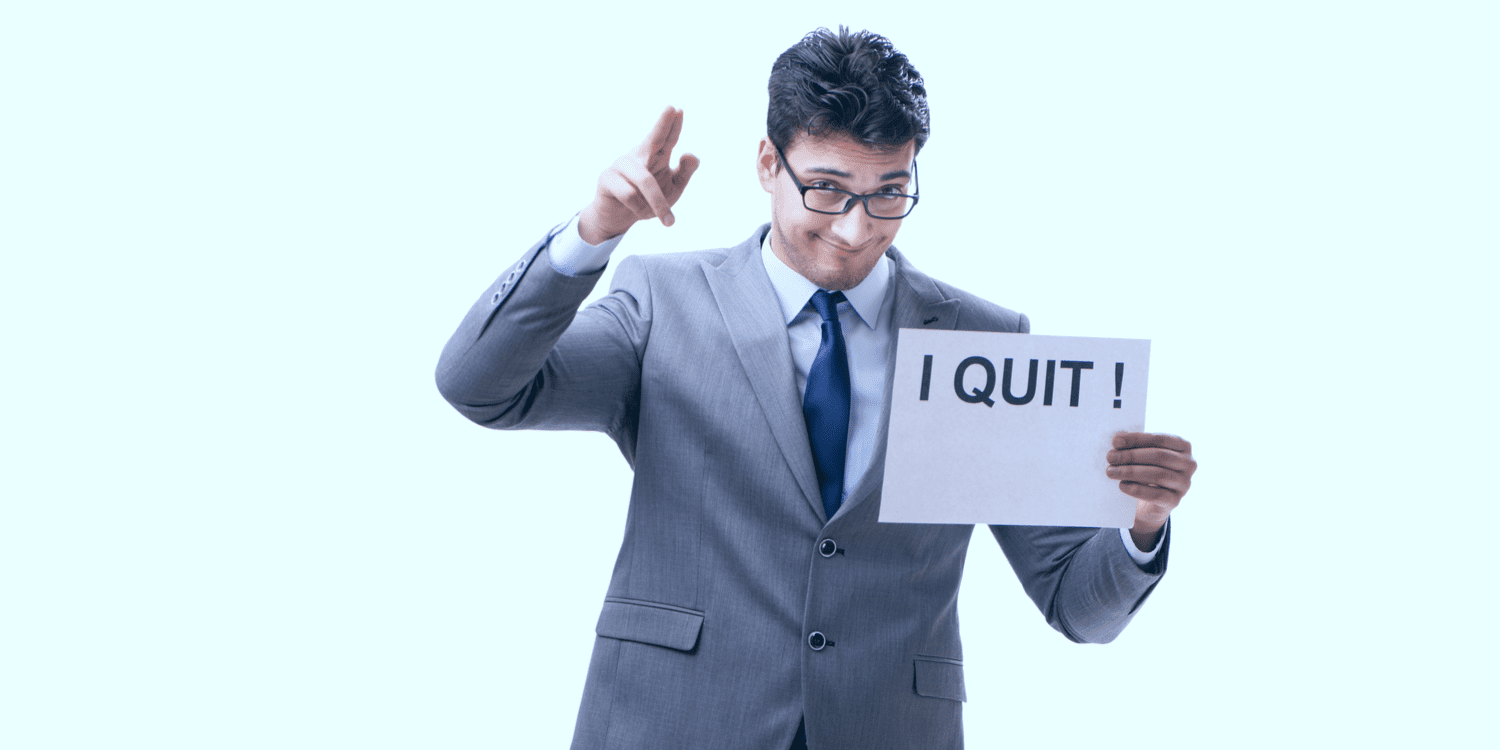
[1143,559]
[571,256]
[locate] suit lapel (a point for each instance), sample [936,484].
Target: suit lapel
[918,304]
[752,315]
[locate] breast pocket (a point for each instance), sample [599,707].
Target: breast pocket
[651,622]
[937,677]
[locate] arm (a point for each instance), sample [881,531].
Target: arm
[525,356]
[1084,580]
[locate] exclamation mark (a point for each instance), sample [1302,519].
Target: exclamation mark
[1119,380]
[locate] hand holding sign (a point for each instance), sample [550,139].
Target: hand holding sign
[640,185]
[1156,470]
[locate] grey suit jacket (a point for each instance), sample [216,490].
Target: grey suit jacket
[728,564]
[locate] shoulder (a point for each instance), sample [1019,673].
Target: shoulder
[975,313]
[669,263]
[680,266]
[980,314]
[696,259]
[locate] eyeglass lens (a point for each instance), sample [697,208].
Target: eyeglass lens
[833,201]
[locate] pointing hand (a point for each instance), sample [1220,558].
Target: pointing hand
[640,185]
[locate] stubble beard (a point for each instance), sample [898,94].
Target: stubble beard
[834,279]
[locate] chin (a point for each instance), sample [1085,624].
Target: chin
[840,279]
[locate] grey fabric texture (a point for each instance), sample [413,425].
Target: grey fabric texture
[703,639]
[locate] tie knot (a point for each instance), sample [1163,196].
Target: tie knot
[826,303]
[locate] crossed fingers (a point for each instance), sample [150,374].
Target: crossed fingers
[643,181]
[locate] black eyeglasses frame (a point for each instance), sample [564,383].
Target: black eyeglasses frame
[849,204]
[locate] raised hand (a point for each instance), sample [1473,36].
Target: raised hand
[640,185]
[1154,469]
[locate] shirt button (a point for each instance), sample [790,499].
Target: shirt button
[827,548]
[816,641]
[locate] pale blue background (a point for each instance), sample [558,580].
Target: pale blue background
[236,514]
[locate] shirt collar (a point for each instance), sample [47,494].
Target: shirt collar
[793,290]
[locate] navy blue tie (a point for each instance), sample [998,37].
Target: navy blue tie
[825,405]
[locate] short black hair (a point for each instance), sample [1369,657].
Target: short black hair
[850,83]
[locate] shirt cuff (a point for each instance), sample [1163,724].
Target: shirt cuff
[1143,558]
[571,256]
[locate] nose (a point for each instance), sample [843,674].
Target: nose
[854,228]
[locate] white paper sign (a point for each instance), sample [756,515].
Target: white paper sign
[1010,428]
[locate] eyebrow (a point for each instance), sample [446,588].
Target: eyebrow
[846,175]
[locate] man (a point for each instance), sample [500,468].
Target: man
[756,601]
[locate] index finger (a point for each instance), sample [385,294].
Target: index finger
[664,133]
[1123,440]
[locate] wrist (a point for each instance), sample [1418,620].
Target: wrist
[1145,533]
[593,230]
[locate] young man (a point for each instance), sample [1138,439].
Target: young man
[756,602]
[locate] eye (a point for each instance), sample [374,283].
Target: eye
[824,184]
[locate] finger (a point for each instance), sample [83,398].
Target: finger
[626,195]
[1153,457]
[1151,440]
[1155,475]
[665,124]
[646,187]
[1155,495]
[614,184]
[686,166]
[671,141]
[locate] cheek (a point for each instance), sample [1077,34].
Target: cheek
[784,212]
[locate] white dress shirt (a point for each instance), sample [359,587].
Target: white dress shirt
[869,340]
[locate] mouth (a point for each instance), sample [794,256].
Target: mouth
[841,248]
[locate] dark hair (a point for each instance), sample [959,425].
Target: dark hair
[850,83]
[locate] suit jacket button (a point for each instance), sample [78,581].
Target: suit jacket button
[816,641]
[827,548]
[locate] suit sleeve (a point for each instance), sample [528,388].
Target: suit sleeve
[1082,579]
[526,356]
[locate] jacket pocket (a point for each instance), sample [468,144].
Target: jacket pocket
[937,677]
[650,622]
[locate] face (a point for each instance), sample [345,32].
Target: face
[834,252]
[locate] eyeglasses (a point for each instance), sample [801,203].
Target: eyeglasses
[827,200]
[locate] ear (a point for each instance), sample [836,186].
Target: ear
[766,165]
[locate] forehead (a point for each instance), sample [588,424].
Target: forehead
[837,154]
